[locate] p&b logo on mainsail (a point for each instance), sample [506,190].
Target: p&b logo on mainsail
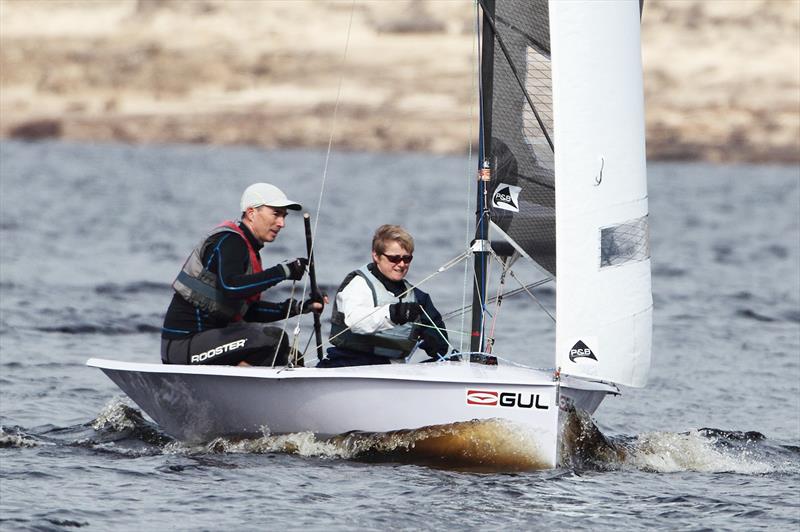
[506,197]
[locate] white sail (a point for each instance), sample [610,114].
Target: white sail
[604,301]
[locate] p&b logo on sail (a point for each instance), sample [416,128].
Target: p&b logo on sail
[580,350]
[506,197]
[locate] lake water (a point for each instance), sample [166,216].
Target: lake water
[92,235]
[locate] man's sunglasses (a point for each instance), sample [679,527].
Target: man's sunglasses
[395,259]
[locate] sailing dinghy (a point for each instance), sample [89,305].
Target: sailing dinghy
[562,181]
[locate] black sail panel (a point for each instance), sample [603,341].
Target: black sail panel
[522,190]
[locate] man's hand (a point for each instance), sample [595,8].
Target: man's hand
[294,269]
[402,313]
[315,303]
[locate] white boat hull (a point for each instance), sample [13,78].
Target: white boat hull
[198,403]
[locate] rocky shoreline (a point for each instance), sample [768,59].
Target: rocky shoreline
[722,79]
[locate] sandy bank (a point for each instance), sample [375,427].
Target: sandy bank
[722,78]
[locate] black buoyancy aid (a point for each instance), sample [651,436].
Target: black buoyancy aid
[197,285]
[396,342]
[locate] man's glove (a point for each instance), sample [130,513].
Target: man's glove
[305,307]
[294,269]
[315,297]
[402,313]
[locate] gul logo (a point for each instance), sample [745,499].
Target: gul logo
[506,399]
[580,350]
[480,397]
[506,197]
[219,350]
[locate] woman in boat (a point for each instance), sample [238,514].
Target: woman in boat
[378,317]
[216,315]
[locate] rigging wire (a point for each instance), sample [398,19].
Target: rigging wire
[498,301]
[327,163]
[475,77]
[498,259]
[525,288]
[464,309]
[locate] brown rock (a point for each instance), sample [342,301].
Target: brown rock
[46,128]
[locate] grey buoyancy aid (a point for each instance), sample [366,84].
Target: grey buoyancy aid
[197,285]
[396,342]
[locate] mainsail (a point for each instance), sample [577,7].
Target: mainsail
[522,190]
[564,134]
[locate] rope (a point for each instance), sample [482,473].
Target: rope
[449,345]
[445,329]
[327,158]
[308,343]
[333,125]
[285,322]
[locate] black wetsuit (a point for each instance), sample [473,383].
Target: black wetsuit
[192,336]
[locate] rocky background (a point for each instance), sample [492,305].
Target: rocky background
[722,77]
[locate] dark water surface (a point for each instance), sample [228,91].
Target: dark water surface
[92,235]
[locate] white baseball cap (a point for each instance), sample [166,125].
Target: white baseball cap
[259,194]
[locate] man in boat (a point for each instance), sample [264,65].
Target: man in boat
[378,317]
[216,315]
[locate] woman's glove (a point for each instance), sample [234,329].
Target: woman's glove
[402,313]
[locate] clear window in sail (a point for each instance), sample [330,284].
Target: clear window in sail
[625,242]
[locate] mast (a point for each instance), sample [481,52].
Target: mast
[480,248]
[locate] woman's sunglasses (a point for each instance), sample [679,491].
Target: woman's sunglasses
[395,259]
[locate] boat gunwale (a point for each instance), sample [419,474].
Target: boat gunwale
[469,374]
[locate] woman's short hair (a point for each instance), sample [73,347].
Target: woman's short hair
[386,233]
